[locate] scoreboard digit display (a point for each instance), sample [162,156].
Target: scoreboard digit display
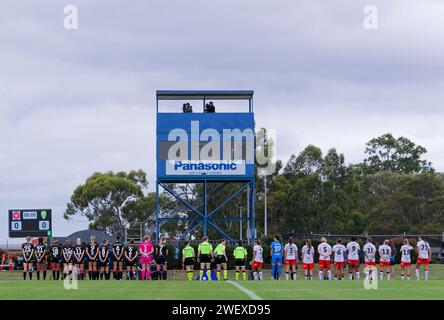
[33,222]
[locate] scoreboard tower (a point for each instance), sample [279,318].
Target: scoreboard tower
[205,148]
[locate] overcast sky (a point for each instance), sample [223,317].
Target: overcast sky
[73,102]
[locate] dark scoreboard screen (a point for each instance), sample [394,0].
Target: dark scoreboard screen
[33,222]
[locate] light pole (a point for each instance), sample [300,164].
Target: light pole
[265,205]
[240,225]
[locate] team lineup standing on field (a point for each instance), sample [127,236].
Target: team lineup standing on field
[98,260]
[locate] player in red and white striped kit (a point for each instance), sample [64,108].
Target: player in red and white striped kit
[424,254]
[370,260]
[324,251]
[406,260]
[385,252]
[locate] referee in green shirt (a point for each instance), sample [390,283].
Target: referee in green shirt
[188,259]
[204,255]
[240,258]
[221,259]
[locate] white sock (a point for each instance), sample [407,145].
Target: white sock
[367,275]
[358,275]
[417,273]
[255,275]
[408,277]
[381,275]
[374,275]
[286,276]
[350,276]
[388,275]
[402,277]
[426,275]
[329,274]
[260,275]
[321,275]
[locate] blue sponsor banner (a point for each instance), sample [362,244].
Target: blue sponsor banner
[201,146]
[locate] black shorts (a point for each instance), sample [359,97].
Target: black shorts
[205,258]
[75,261]
[189,262]
[116,259]
[55,260]
[102,264]
[161,260]
[131,263]
[239,262]
[66,261]
[221,259]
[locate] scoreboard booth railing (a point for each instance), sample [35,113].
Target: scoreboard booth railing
[210,151]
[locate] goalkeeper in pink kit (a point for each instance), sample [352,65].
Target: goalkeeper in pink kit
[146,256]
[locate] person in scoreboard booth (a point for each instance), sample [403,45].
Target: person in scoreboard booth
[40,255]
[146,256]
[55,260]
[118,252]
[338,259]
[161,259]
[103,261]
[424,252]
[308,259]
[369,259]
[188,256]
[78,259]
[221,260]
[353,250]
[258,260]
[131,254]
[385,252]
[28,252]
[92,251]
[406,260]
[324,251]
[67,254]
[291,259]
[276,254]
[240,260]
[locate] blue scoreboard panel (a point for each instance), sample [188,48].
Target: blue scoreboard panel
[210,146]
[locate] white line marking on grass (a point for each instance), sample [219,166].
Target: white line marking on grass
[249,293]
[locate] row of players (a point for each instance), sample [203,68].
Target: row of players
[288,254]
[99,259]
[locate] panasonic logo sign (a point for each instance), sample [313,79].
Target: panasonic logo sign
[205,167]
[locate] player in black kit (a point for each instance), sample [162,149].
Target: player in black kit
[92,250]
[67,254]
[40,255]
[28,251]
[131,253]
[56,256]
[118,251]
[104,260]
[161,259]
[79,254]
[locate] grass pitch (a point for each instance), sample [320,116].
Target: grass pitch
[11,287]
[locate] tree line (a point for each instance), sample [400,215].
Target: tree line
[394,190]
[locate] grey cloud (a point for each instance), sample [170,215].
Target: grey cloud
[72,103]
